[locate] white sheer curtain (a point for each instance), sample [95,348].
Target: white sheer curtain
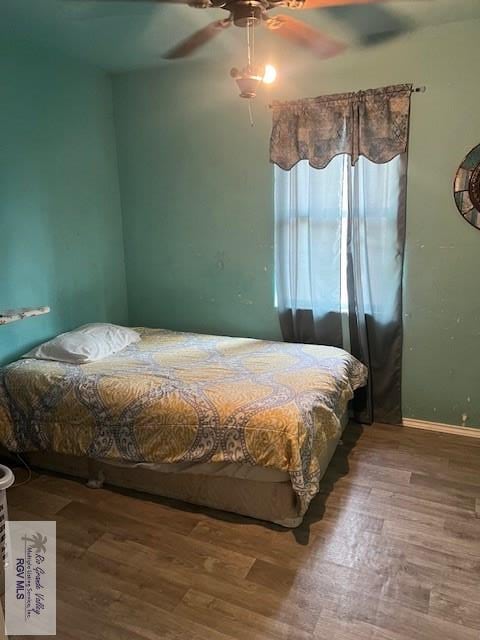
[309,209]
[339,239]
[310,245]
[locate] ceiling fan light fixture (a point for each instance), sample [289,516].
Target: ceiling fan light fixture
[248,80]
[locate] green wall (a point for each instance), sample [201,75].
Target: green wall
[198,209]
[197,199]
[61,238]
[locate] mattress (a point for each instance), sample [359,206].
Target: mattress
[188,399]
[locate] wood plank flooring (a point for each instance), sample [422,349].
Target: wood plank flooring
[389,550]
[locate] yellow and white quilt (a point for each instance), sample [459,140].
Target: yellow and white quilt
[184,397]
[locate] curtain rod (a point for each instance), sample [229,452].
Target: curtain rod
[419,89]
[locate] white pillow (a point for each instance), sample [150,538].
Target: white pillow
[88,343]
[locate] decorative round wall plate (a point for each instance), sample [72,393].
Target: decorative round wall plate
[467,188]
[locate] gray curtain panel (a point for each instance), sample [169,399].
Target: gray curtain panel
[340,233]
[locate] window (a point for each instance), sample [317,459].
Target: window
[313,221]
[312,208]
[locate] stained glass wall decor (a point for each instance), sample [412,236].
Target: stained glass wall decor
[466,188]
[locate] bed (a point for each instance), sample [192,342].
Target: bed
[242,425]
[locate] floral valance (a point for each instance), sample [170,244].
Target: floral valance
[371,123]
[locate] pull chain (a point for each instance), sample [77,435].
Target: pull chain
[250,53]
[250,41]
[252,38]
[250,113]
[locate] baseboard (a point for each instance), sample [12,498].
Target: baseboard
[471,432]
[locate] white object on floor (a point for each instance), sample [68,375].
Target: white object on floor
[6,477]
[6,480]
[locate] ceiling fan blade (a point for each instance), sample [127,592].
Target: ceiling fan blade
[197,39]
[371,24]
[122,8]
[322,45]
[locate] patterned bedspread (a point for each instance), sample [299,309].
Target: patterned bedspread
[176,397]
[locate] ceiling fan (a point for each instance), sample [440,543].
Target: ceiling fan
[372,22]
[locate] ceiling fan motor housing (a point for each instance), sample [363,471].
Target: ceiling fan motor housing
[245,13]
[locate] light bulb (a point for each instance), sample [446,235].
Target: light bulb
[269,74]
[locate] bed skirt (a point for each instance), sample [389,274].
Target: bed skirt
[263,499]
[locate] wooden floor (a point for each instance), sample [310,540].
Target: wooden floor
[390,550]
